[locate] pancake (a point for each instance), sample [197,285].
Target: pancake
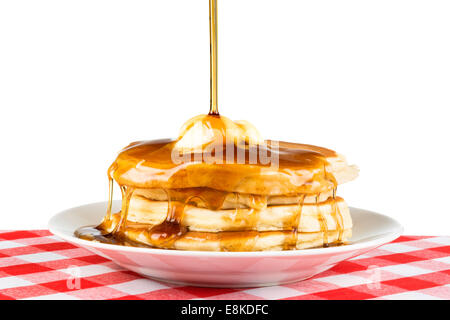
[215,199]
[270,218]
[137,234]
[263,241]
[300,169]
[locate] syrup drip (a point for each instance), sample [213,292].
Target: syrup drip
[121,227]
[323,224]
[337,218]
[213,56]
[294,224]
[166,233]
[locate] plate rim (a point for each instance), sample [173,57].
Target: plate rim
[378,241]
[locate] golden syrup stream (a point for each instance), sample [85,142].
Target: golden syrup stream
[213,109]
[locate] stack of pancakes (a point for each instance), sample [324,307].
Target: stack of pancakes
[230,206]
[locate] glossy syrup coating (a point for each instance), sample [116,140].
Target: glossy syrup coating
[223,159]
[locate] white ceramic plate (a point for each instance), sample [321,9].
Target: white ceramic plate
[227,269]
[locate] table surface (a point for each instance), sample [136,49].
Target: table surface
[34,264]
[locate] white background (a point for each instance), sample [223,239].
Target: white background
[81,79]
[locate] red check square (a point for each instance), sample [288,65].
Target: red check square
[344,294]
[410,283]
[24,269]
[14,235]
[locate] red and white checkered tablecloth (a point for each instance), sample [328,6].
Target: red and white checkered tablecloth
[36,265]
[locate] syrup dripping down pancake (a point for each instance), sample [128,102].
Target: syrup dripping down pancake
[271,218]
